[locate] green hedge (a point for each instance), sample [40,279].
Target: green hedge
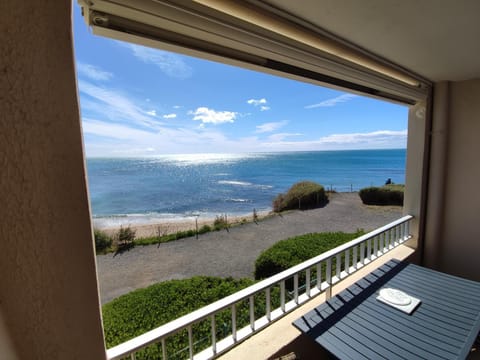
[149,240]
[145,309]
[293,251]
[385,195]
[302,195]
[103,242]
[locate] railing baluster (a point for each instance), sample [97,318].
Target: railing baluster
[347,261]
[282,295]
[354,258]
[132,356]
[319,276]
[164,349]
[338,263]
[295,288]
[190,341]
[328,279]
[268,305]
[234,323]
[307,282]
[362,253]
[214,334]
[252,312]
[369,249]
[375,246]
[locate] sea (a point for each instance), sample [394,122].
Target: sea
[138,191]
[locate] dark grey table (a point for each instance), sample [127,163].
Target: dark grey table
[354,325]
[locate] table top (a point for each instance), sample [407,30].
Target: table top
[355,325]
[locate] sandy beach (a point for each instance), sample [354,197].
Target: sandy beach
[233,252]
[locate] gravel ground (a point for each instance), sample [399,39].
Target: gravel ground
[232,253]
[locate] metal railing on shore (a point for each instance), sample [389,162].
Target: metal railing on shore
[303,282]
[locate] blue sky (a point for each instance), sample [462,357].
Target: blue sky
[137,101]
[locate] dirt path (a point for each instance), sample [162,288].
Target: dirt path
[232,253]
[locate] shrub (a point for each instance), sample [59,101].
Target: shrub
[220,222]
[102,240]
[125,235]
[142,310]
[293,251]
[302,195]
[204,229]
[385,195]
[125,239]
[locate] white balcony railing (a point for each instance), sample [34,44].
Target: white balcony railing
[292,288]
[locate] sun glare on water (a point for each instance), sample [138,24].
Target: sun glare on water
[208,158]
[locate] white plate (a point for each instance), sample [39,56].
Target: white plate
[395,296]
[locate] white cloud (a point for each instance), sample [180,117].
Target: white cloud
[113,105]
[282,136]
[332,102]
[114,131]
[206,115]
[256,102]
[93,72]
[170,116]
[381,137]
[270,126]
[170,64]
[259,102]
[177,106]
[107,139]
[115,124]
[124,140]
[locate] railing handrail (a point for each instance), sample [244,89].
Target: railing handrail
[210,309]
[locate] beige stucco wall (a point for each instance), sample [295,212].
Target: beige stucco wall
[7,349]
[452,238]
[416,148]
[48,290]
[460,248]
[436,176]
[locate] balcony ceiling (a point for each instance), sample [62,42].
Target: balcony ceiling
[437,39]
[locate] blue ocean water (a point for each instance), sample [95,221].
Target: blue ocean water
[146,189]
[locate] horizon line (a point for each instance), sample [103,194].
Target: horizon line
[229,153]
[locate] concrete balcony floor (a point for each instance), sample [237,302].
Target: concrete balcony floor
[282,340]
